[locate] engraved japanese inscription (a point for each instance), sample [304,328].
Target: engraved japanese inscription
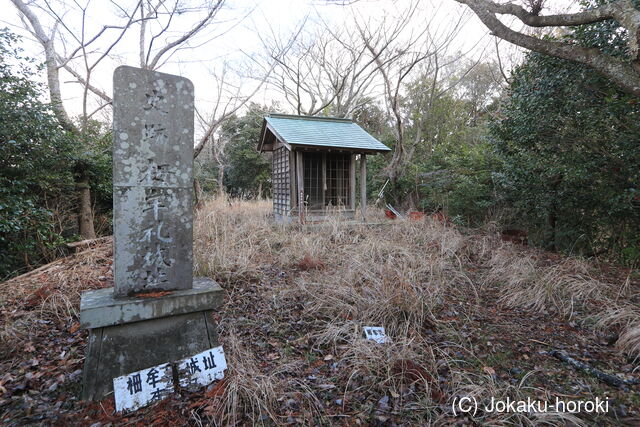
[152,179]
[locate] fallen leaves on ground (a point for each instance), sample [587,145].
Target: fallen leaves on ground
[279,363]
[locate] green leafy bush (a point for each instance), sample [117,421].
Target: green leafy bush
[570,145]
[36,176]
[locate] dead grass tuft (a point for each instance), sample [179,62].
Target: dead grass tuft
[51,294]
[525,282]
[622,320]
[629,340]
[247,392]
[230,239]
[567,287]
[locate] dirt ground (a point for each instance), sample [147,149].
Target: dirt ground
[468,315]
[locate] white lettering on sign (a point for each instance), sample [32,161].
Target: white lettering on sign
[138,389]
[376,333]
[202,369]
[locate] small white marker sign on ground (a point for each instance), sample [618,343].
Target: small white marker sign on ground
[202,369]
[141,388]
[376,333]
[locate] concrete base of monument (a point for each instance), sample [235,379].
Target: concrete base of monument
[135,333]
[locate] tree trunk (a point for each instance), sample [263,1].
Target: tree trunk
[85,213]
[220,180]
[197,194]
[553,212]
[260,190]
[553,225]
[626,74]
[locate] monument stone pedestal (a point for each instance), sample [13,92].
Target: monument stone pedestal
[134,333]
[156,313]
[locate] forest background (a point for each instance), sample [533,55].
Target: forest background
[486,135]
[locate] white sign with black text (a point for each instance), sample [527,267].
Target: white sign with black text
[376,333]
[202,369]
[141,388]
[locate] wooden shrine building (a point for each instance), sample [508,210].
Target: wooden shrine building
[314,165]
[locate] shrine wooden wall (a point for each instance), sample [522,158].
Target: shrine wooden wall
[281,182]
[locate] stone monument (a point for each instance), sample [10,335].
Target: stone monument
[156,312]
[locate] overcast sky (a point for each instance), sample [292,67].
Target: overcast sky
[235,38]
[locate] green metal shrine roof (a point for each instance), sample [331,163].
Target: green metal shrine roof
[320,132]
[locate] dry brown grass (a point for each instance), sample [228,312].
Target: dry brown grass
[622,319]
[340,277]
[393,275]
[347,276]
[315,287]
[50,293]
[567,287]
[247,392]
[564,287]
[230,239]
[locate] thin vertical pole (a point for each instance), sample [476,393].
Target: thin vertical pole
[324,180]
[300,174]
[363,186]
[352,182]
[291,163]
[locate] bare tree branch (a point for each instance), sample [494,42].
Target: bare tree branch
[224,108]
[626,74]
[53,76]
[608,11]
[326,68]
[213,10]
[397,54]
[500,67]
[97,91]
